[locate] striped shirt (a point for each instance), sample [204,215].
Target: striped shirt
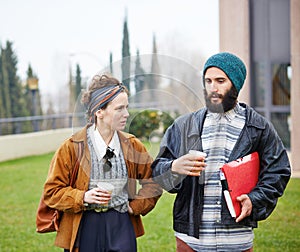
[219,135]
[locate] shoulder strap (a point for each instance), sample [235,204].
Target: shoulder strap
[77,164]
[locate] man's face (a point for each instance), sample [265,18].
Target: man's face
[220,94]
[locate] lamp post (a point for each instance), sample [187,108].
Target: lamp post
[33,85]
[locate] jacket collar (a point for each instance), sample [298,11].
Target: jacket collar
[80,135]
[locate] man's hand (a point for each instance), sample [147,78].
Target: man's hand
[189,164]
[246,206]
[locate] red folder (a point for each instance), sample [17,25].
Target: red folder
[242,176]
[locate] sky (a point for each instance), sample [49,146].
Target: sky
[55,35]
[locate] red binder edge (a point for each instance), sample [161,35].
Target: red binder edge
[242,176]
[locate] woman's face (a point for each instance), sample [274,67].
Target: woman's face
[115,115]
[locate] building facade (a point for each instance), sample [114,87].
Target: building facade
[266,35]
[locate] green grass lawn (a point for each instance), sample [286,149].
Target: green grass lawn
[21,184]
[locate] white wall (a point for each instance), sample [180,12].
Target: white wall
[22,145]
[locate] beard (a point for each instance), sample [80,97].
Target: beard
[229,100]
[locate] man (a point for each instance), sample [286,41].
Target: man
[225,130]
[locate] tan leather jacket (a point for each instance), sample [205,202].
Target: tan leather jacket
[59,195]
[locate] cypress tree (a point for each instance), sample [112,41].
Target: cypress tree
[139,77]
[71,90]
[126,57]
[111,63]
[29,94]
[5,94]
[153,78]
[13,98]
[77,82]
[15,90]
[2,114]
[16,94]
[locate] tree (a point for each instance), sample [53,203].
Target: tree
[75,86]
[15,88]
[126,57]
[111,63]
[2,112]
[154,66]
[30,95]
[153,79]
[12,93]
[77,82]
[4,84]
[71,90]
[139,77]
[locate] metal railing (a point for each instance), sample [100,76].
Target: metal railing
[18,125]
[27,124]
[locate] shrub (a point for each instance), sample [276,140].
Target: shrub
[145,124]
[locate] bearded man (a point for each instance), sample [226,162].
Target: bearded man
[225,130]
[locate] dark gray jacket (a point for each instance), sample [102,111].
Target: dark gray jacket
[258,135]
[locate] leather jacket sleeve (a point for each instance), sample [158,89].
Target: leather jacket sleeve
[161,167]
[180,137]
[274,175]
[275,171]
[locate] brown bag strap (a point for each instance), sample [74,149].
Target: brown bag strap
[77,164]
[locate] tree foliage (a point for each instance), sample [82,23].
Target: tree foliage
[145,124]
[78,85]
[32,97]
[139,78]
[13,99]
[4,85]
[153,81]
[126,57]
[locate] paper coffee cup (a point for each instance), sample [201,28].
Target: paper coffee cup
[201,154]
[197,153]
[106,187]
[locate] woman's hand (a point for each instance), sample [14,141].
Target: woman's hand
[130,211]
[189,164]
[97,196]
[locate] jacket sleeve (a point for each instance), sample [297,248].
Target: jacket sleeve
[58,193]
[274,175]
[143,199]
[169,151]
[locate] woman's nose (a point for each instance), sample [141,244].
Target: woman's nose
[126,113]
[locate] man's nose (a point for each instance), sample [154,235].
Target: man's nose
[214,87]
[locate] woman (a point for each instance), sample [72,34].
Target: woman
[93,218]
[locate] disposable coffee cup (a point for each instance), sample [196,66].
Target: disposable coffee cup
[106,187]
[201,154]
[197,153]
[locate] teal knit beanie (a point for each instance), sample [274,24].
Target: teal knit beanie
[231,65]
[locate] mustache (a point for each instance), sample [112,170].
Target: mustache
[215,95]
